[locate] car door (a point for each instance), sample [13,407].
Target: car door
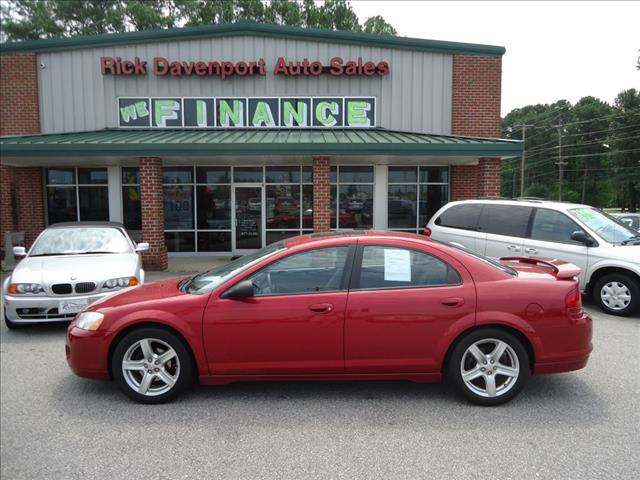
[504,228]
[403,303]
[550,237]
[294,323]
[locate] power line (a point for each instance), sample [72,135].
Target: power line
[549,159]
[578,145]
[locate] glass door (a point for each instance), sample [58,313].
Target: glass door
[248,215]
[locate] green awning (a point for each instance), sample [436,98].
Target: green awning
[188,142]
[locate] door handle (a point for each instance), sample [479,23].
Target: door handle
[513,248]
[452,302]
[532,251]
[321,307]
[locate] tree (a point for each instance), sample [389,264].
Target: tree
[33,19]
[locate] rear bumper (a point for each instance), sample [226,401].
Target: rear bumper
[566,365]
[87,353]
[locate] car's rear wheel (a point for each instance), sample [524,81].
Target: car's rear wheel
[617,294]
[489,366]
[152,365]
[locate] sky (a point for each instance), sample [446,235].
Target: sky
[555,50]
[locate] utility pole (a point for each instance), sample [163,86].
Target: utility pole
[524,148]
[560,163]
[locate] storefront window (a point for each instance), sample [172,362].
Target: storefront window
[179,209]
[352,197]
[77,194]
[131,210]
[288,213]
[415,194]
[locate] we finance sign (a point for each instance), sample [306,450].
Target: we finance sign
[243,112]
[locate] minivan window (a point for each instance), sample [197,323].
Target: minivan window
[609,228]
[464,216]
[508,220]
[552,226]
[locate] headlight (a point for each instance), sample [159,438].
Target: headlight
[24,288]
[120,282]
[89,320]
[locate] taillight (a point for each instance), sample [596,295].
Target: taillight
[573,299]
[427,231]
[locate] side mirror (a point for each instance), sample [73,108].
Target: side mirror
[19,252]
[142,247]
[241,290]
[582,237]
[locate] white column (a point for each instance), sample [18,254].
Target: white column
[115,194]
[380,192]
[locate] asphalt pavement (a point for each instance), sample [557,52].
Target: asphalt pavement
[580,425]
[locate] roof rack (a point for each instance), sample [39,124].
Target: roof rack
[529,199]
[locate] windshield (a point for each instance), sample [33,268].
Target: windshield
[207,281]
[606,226]
[75,241]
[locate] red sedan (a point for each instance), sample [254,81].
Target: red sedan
[341,306]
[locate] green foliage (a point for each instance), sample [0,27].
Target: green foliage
[33,19]
[600,145]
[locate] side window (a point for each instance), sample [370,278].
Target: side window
[389,267]
[508,220]
[552,226]
[319,270]
[464,216]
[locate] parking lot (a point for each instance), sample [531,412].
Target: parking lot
[579,425]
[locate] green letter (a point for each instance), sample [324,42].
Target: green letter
[263,115]
[128,113]
[325,118]
[299,114]
[163,110]
[201,113]
[357,114]
[230,114]
[141,109]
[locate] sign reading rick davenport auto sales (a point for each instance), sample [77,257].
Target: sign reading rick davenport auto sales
[161,66]
[251,112]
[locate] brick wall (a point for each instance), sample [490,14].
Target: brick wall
[321,194]
[151,201]
[21,195]
[20,112]
[477,83]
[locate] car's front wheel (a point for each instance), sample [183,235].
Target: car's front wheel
[489,366]
[152,365]
[617,294]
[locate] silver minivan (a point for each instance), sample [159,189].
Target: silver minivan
[606,250]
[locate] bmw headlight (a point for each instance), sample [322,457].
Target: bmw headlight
[89,320]
[120,282]
[24,288]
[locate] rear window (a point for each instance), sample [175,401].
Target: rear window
[508,220]
[464,216]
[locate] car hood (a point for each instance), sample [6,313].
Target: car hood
[60,269]
[163,289]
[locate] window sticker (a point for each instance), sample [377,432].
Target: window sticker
[397,265]
[585,214]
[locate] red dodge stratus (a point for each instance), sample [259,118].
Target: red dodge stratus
[341,306]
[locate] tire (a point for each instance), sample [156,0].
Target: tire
[617,294]
[513,362]
[170,371]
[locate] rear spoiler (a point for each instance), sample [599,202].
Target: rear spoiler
[560,268]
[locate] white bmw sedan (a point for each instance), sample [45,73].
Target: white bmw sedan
[69,266]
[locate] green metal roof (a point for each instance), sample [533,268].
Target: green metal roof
[249,28]
[193,142]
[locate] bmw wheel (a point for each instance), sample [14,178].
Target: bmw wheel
[617,294]
[152,365]
[489,367]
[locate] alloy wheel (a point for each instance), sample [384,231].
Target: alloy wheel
[615,295]
[151,367]
[489,367]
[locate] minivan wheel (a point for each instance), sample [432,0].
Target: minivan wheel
[617,294]
[489,367]
[151,365]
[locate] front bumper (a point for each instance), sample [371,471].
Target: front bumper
[87,352]
[35,309]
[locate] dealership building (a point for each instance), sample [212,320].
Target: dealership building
[221,139]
